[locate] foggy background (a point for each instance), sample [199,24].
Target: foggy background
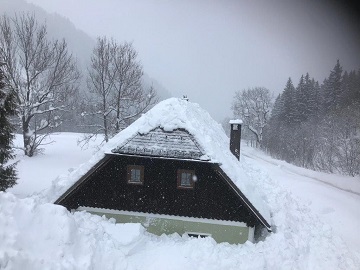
[209,49]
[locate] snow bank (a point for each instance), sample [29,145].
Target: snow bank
[172,114]
[47,236]
[35,235]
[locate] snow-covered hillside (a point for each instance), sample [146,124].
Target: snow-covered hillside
[35,234]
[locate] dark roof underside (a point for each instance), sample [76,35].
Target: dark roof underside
[159,143]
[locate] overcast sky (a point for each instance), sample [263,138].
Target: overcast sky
[210,49]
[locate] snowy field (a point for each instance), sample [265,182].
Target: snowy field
[315,217]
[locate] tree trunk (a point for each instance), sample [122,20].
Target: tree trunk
[27,138]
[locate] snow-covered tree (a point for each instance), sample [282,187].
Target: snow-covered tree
[253,106]
[117,96]
[7,109]
[40,72]
[301,101]
[318,127]
[288,113]
[332,89]
[271,140]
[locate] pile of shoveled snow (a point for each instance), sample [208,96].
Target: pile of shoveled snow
[37,235]
[34,235]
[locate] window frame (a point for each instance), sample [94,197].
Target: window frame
[179,173]
[129,168]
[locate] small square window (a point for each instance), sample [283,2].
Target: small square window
[235,127]
[135,174]
[185,179]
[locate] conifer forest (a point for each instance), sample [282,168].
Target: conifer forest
[317,126]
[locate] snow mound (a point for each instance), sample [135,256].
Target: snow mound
[36,235]
[174,114]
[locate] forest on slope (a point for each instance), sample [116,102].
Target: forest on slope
[318,126]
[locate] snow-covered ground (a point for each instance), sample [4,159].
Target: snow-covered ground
[315,218]
[334,198]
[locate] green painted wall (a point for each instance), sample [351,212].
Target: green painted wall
[221,233]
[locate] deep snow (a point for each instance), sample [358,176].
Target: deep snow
[334,198]
[35,234]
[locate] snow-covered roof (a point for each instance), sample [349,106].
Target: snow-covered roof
[177,144]
[170,115]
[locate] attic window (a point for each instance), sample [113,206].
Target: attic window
[135,174]
[185,179]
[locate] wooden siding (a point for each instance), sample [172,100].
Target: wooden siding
[211,198]
[176,144]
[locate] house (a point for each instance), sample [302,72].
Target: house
[172,171]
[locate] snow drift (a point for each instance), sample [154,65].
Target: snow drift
[37,235]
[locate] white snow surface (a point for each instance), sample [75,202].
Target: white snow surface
[35,234]
[171,114]
[236,121]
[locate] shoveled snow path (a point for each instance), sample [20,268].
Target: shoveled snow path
[339,207]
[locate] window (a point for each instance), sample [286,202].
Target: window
[135,174]
[198,235]
[185,179]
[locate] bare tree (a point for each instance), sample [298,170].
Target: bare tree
[253,106]
[101,76]
[114,80]
[127,86]
[41,73]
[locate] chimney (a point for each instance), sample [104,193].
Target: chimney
[235,137]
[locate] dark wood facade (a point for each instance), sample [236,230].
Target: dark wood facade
[107,187]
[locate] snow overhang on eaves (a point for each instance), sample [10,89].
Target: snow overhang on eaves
[161,157]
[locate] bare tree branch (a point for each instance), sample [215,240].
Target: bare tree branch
[253,106]
[41,73]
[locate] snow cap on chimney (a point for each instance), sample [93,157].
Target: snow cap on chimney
[235,137]
[236,121]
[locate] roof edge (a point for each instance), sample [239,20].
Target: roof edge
[148,214]
[248,204]
[83,178]
[160,157]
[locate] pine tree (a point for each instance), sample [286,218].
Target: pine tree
[311,97]
[317,100]
[273,128]
[277,108]
[288,115]
[301,101]
[332,89]
[353,93]
[7,108]
[345,90]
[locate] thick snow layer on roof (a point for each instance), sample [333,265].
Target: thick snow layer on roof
[173,114]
